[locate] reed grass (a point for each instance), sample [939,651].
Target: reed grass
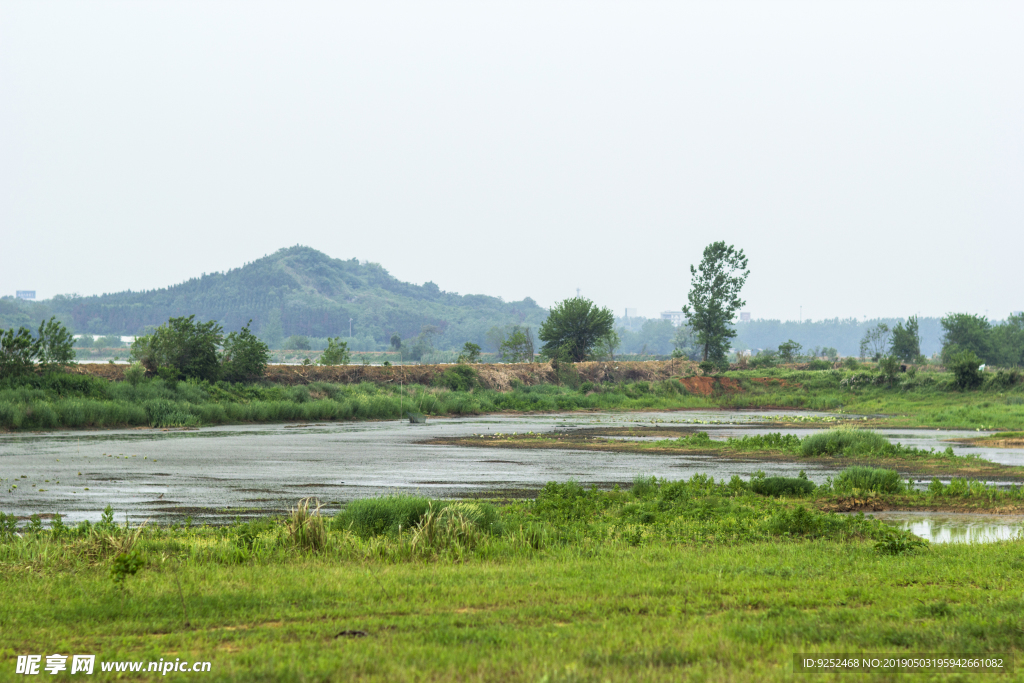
[873,479]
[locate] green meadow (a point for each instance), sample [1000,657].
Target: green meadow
[689,580]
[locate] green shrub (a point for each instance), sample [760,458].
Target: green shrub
[458,378]
[800,521]
[889,366]
[844,441]
[964,366]
[1005,379]
[56,346]
[869,479]
[782,486]
[337,353]
[567,502]
[8,526]
[245,356]
[52,346]
[181,347]
[134,373]
[898,542]
[644,485]
[818,364]
[125,565]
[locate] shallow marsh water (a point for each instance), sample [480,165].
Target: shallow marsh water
[956,527]
[217,473]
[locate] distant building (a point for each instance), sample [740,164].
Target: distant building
[744,317]
[675,317]
[631,313]
[26,294]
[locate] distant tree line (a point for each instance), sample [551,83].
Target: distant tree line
[995,344]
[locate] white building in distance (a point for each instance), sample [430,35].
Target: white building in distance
[675,317]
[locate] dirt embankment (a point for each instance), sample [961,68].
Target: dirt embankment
[492,376]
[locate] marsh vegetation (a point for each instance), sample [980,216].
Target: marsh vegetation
[664,580]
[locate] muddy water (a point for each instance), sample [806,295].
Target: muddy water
[947,527]
[217,473]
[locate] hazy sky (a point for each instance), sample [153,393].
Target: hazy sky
[868,157]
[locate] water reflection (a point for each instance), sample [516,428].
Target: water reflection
[949,527]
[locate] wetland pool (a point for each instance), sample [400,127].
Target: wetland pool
[215,474]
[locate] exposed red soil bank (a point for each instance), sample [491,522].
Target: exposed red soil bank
[492,376]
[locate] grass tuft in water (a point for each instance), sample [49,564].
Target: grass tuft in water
[844,441]
[873,479]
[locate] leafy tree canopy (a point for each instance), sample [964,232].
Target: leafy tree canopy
[517,347]
[573,327]
[906,341]
[875,341]
[337,353]
[715,297]
[966,332]
[789,350]
[470,353]
[245,356]
[52,346]
[182,347]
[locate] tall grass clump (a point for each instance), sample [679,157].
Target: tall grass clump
[844,441]
[306,527]
[384,515]
[455,526]
[107,539]
[869,479]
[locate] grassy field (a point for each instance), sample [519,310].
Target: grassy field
[924,400]
[669,581]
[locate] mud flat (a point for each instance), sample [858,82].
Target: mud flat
[216,474]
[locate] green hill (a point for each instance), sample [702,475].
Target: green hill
[295,291]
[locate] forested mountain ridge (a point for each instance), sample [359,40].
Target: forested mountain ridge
[295,291]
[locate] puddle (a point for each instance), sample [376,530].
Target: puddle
[955,527]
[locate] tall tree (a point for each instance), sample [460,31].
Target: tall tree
[518,347]
[572,329]
[715,297]
[244,357]
[906,341]
[1008,341]
[966,332]
[875,342]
